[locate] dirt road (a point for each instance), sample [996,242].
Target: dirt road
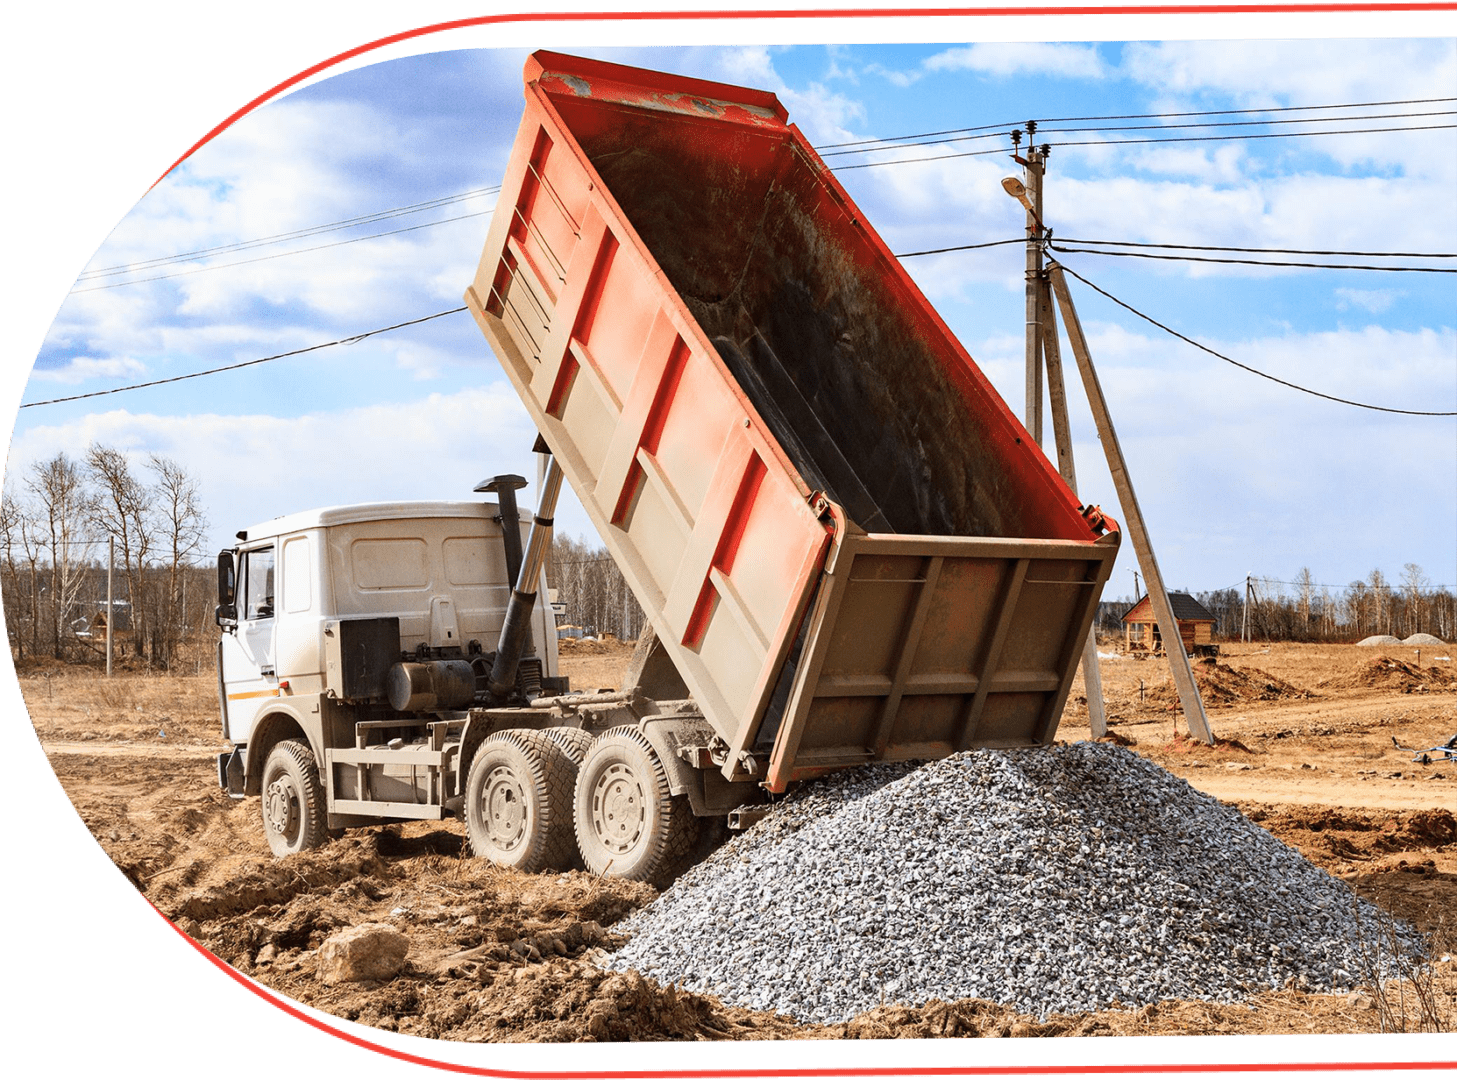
[1305,749]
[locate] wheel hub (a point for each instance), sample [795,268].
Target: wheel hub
[619,809]
[503,808]
[281,807]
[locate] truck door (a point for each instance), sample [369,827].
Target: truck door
[249,677]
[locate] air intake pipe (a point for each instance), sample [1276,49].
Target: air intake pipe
[516,630]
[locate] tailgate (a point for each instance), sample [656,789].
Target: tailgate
[918,647]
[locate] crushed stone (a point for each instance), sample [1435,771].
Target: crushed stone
[1067,879]
[1423,639]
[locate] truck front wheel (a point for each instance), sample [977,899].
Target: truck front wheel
[518,802]
[293,799]
[628,823]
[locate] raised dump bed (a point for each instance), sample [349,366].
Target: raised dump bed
[845,541]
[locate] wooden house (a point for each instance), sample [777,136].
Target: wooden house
[1196,626]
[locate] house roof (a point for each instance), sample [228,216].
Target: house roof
[1186,609]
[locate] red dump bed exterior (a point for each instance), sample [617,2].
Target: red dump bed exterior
[842,536]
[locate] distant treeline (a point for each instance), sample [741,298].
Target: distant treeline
[57,521]
[591,589]
[1302,610]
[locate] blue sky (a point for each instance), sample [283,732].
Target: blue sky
[1234,474]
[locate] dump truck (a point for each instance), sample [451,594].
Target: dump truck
[847,547]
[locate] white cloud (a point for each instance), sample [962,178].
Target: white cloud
[895,77]
[255,467]
[1303,72]
[1373,300]
[82,368]
[1224,165]
[1017,58]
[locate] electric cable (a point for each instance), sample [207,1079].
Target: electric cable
[1138,142]
[1272,251]
[1143,116]
[1246,367]
[282,254]
[248,363]
[961,247]
[1255,262]
[1045,131]
[296,234]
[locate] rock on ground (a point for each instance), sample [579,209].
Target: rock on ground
[372,952]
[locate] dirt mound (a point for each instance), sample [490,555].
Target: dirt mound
[588,646]
[1391,832]
[1389,673]
[1186,744]
[1220,684]
[276,883]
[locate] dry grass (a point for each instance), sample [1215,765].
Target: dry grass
[1409,991]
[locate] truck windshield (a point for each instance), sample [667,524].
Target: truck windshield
[258,583]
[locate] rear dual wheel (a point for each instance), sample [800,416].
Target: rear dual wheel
[628,823]
[518,802]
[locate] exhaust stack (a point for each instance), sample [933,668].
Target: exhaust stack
[516,630]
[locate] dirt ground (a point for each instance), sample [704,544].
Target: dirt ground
[1305,748]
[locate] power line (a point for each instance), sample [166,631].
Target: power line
[1255,262]
[1044,131]
[1136,142]
[1363,584]
[909,161]
[1272,251]
[960,247]
[1246,367]
[247,363]
[1143,116]
[282,254]
[381,330]
[827,150]
[296,234]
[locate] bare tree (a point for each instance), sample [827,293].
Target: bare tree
[121,511]
[63,511]
[14,530]
[1381,602]
[181,526]
[592,589]
[1414,584]
[1306,581]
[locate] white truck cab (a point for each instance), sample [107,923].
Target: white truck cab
[351,631]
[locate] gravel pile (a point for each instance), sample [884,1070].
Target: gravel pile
[1423,639]
[1379,639]
[1059,880]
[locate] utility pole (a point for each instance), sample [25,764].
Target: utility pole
[1132,516]
[110,607]
[1042,346]
[1244,630]
[1137,588]
[1033,169]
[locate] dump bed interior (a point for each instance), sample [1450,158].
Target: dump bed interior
[862,385]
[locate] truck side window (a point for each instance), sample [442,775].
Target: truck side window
[258,581]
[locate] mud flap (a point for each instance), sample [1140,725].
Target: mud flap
[232,771]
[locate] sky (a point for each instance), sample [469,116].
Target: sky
[1235,475]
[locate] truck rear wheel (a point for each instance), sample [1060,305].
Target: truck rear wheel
[574,740]
[518,802]
[293,799]
[628,823]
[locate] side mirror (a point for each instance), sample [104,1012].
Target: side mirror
[226,613]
